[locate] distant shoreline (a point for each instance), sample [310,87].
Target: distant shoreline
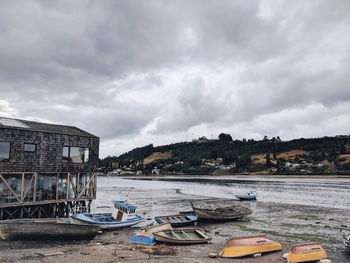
[232,176]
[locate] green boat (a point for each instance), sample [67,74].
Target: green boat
[183,236]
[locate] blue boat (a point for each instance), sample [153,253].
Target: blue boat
[177,220]
[143,239]
[126,216]
[249,196]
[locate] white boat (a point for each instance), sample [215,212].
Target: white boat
[126,217]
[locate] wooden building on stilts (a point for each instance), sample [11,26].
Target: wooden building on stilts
[46,170]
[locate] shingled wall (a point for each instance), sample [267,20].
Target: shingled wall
[49,150]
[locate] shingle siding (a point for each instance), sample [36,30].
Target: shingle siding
[49,149]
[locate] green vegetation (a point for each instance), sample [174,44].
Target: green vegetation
[326,155]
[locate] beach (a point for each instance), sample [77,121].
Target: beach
[288,211]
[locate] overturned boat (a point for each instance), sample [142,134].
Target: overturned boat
[249,245]
[214,210]
[177,220]
[45,229]
[183,236]
[306,252]
[126,216]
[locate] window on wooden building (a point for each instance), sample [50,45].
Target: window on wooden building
[29,147]
[75,154]
[4,151]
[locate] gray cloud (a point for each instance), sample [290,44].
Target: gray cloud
[135,72]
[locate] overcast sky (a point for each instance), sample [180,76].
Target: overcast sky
[140,72]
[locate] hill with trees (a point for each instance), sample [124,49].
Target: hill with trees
[326,155]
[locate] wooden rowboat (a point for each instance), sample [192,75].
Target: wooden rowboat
[183,236]
[177,220]
[306,252]
[249,245]
[48,228]
[146,237]
[215,211]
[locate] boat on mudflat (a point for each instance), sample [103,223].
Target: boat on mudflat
[306,252]
[177,220]
[214,210]
[45,229]
[146,237]
[126,216]
[183,236]
[247,197]
[249,245]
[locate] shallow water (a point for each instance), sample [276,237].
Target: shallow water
[332,193]
[288,210]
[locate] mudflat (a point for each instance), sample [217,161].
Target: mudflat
[286,223]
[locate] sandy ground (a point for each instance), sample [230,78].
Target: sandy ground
[114,247]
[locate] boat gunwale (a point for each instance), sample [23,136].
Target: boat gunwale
[135,219]
[199,231]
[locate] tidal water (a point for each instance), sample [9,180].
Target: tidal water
[331,193]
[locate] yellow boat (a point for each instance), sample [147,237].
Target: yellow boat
[306,252]
[249,245]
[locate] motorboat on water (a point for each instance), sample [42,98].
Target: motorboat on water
[246,197]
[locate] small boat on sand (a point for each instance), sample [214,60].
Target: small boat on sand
[249,245]
[146,237]
[126,216]
[247,197]
[214,210]
[143,238]
[306,252]
[183,236]
[45,229]
[177,220]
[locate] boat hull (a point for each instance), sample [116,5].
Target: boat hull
[245,197]
[176,220]
[306,252]
[143,239]
[28,229]
[245,246]
[214,214]
[108,225]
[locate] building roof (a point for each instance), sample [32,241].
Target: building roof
[42,127]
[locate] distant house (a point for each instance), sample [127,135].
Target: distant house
[155,170]
[46,170]
[326,163]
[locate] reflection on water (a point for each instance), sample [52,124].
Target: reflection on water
[332,193]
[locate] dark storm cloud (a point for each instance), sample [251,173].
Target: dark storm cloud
[139,71]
